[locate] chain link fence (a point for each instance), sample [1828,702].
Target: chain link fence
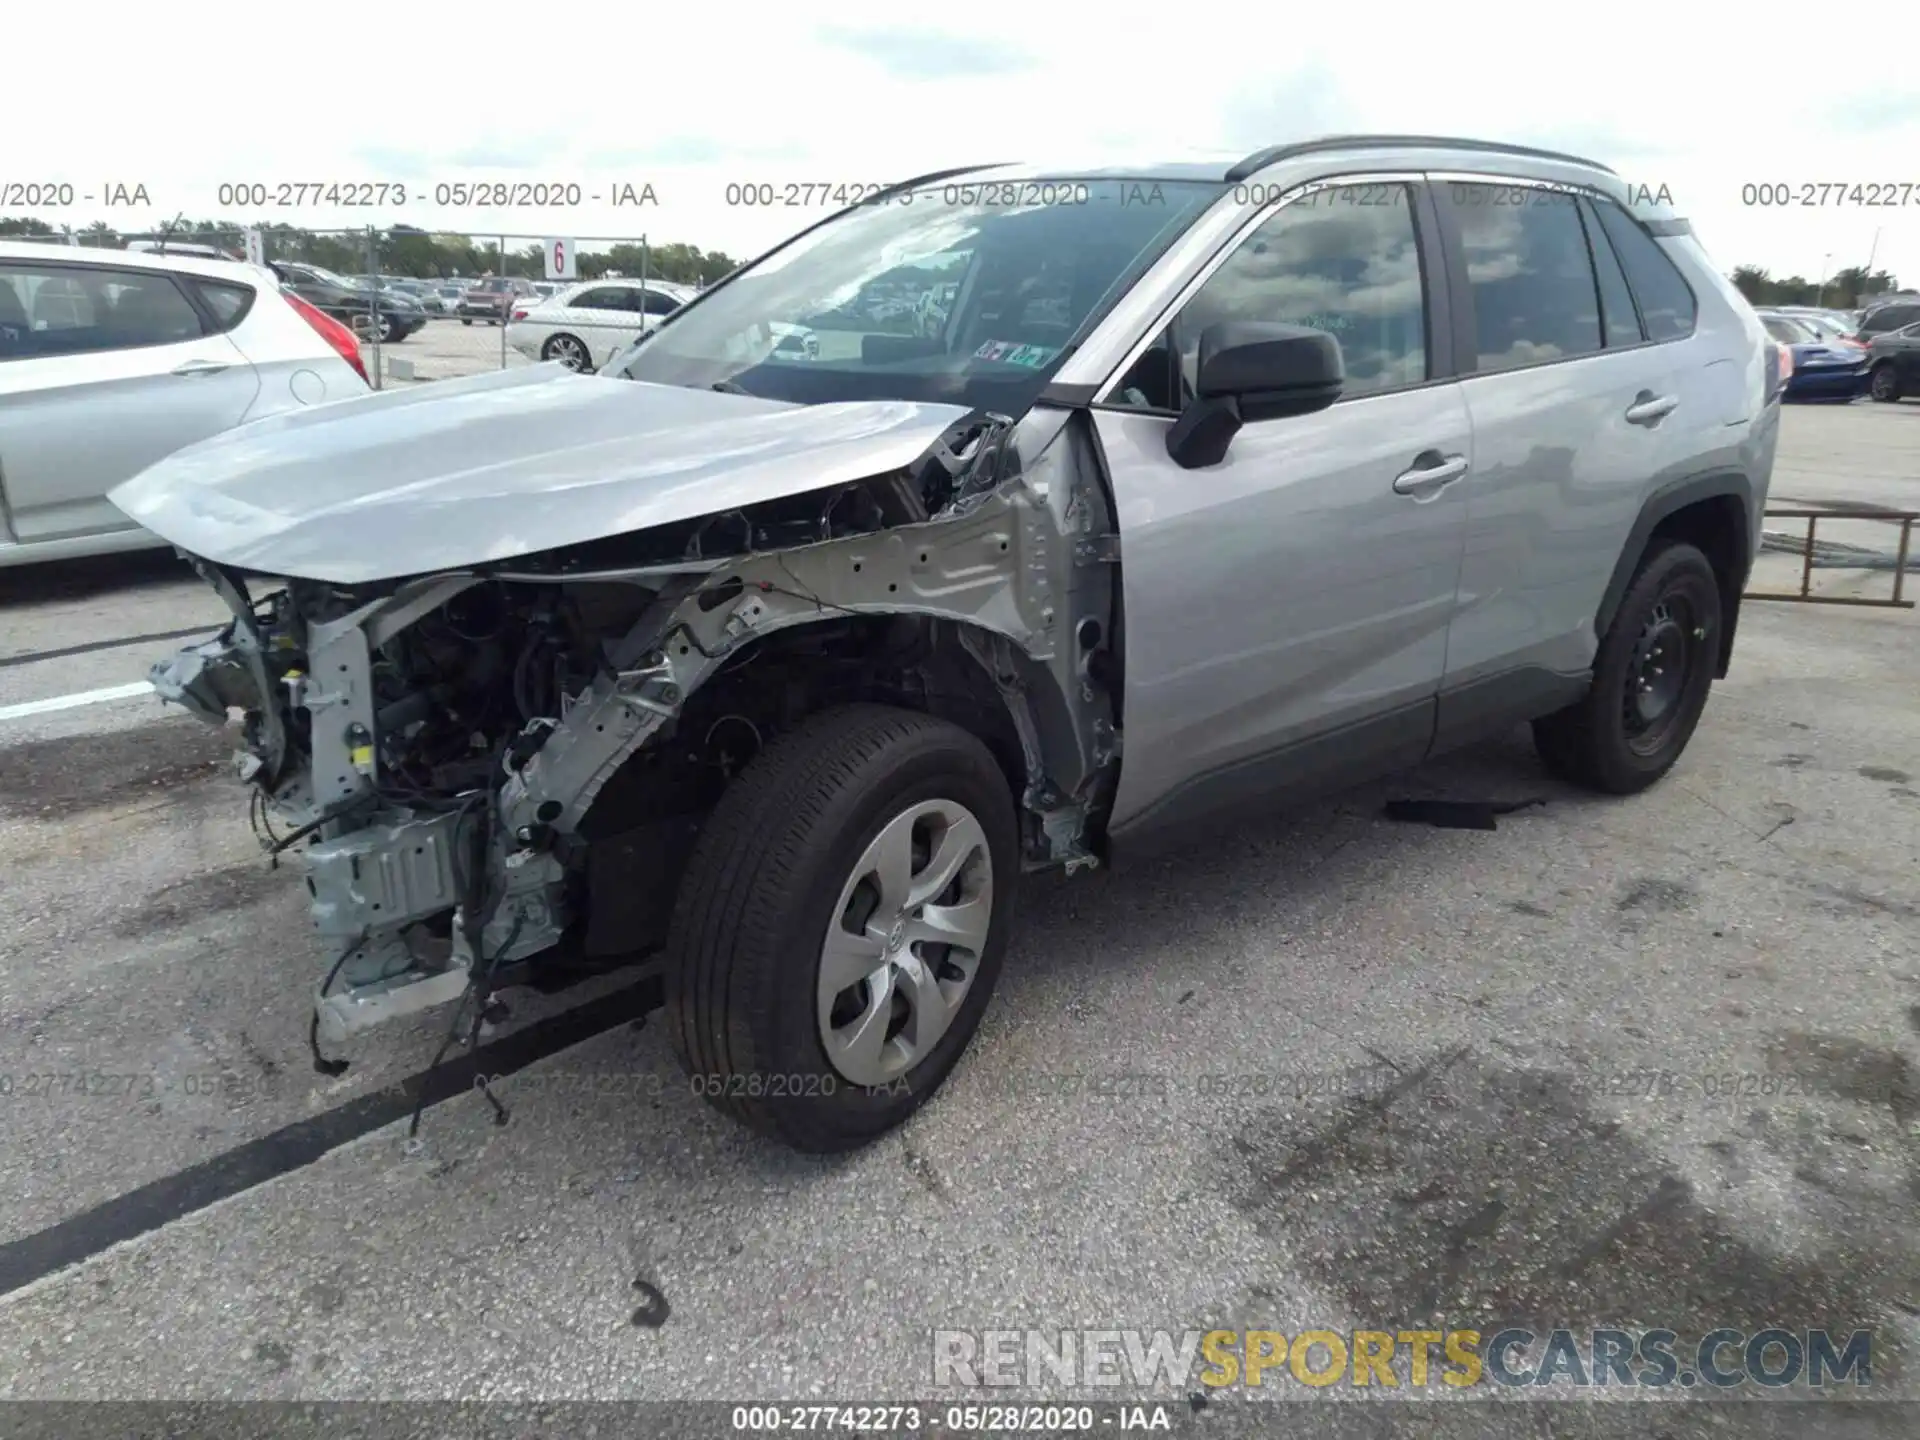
[437,305]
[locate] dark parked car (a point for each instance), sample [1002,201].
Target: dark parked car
[386,315]
[1823,369]
[1885,318]
[492,298]
[1893,363]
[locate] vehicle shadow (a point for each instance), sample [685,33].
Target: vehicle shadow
[95,575]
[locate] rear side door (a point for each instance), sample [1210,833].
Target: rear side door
[1577,409]
[655,306]
[118,369]
[616,323]
[1286,609]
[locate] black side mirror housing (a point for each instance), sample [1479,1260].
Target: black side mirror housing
[1253,370]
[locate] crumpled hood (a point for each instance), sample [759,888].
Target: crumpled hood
[496,466]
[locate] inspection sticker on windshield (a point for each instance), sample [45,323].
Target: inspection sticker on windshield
[1031,356]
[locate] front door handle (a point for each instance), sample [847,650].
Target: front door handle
[1650,409]
[200,367]
[1432,472]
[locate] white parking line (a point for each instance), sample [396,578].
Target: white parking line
[69,702]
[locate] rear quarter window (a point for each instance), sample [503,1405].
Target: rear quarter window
[1667,306]
[228,304]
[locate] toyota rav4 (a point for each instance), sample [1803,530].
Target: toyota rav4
[1215,484]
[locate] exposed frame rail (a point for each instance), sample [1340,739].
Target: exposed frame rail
[1904,518]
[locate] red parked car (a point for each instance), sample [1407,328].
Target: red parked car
[490,299]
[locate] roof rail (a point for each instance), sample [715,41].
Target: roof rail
[1260,159]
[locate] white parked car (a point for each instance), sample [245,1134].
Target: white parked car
[111,360]
[588,323]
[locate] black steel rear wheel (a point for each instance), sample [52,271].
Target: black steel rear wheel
[1650,681]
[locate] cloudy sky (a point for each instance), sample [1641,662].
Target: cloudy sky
[621,96]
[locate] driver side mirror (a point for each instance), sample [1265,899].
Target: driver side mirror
[1253,370]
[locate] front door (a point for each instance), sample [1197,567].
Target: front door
[1286,609]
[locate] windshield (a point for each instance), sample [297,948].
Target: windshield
[1788,332]
[970,293]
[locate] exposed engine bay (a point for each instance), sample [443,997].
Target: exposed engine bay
[492,775]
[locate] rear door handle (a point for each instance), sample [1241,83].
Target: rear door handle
[1650,409]
[1432,472]
[200,367]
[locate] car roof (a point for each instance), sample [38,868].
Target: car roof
[61,254]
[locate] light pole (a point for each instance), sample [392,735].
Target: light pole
[1826,269]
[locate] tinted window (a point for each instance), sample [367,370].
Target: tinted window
[605,298]
[1666,304]
[1534,295]
[1617,317]
[1889,317]
[52,311]
[228,303]
[658,302]
[1344,260]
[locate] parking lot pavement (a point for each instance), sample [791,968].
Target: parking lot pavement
[1645,1062]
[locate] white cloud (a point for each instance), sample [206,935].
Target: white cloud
[761,92]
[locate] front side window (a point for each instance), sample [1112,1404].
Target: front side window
[1533,289]
[1345,260]
[48,310]
[1033,266]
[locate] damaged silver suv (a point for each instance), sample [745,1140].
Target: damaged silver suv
[1212,485]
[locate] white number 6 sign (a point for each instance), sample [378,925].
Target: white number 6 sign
[561,262]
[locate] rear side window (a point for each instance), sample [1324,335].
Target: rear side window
[1535,299]
[1889,317]
[1667,306]
[660,303]
[50,310]
[1617,316]
[228,304]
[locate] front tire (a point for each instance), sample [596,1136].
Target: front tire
[466,319]
[1650,680]
[841,924]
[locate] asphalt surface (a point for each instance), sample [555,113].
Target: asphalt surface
[1329,1072]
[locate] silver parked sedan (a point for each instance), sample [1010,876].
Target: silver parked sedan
[112,359]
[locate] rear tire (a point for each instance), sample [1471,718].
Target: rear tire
[466,319]
[783,883]
[1884,383]
[569,350]
[1650,679]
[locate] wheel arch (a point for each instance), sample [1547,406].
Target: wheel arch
[1719,513]
[653,803]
